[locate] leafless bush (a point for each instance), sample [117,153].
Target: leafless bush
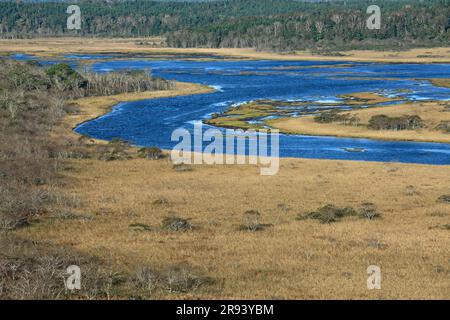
[252,221]
[174,223]
[31,270]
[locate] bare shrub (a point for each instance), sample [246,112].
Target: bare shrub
[116,149]
[444,198]
[176,279]
[368,210]
[160,201]
[31,270]
[180,280]
[252,221]
[152,153]
[328,214]
[174,223]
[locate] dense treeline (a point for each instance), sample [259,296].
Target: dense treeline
[275,24]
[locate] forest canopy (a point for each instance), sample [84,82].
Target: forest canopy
[265,24]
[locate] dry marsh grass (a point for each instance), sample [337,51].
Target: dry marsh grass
[291,259]
[432,113]
[58,46]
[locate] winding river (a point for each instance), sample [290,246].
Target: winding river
[151,122]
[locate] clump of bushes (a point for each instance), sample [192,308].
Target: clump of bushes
[252,221]
[337,116]
[445,198]
[444,126]
[32,270]
[36,271]
[116,149]
[179,279]
[328,214]
[369,211]
[64,78]
[161,201]
[384,122]
[174,223]
[331,213]
[152,153]
[110,83]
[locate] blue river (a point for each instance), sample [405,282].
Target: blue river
[151,122]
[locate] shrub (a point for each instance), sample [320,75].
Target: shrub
[328,214]
[152,153]
[161,201]
[141,227]
[32,270]
[174,223]
[444,198]
[331,213]
[368,210]
[116,149]
[252,221]
[180,280]
[444,126]
[64,78]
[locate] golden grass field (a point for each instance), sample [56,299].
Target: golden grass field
[57,46]
[432,113]
[289,260]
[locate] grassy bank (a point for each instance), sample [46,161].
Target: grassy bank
[433,115]
[93,107]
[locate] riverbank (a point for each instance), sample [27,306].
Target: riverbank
[61,46]
[90,108]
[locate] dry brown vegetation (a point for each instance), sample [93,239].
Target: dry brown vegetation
[291,259]
[57,46]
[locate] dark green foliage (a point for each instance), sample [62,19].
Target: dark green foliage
[383,122]
[64,77]
[268,24]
